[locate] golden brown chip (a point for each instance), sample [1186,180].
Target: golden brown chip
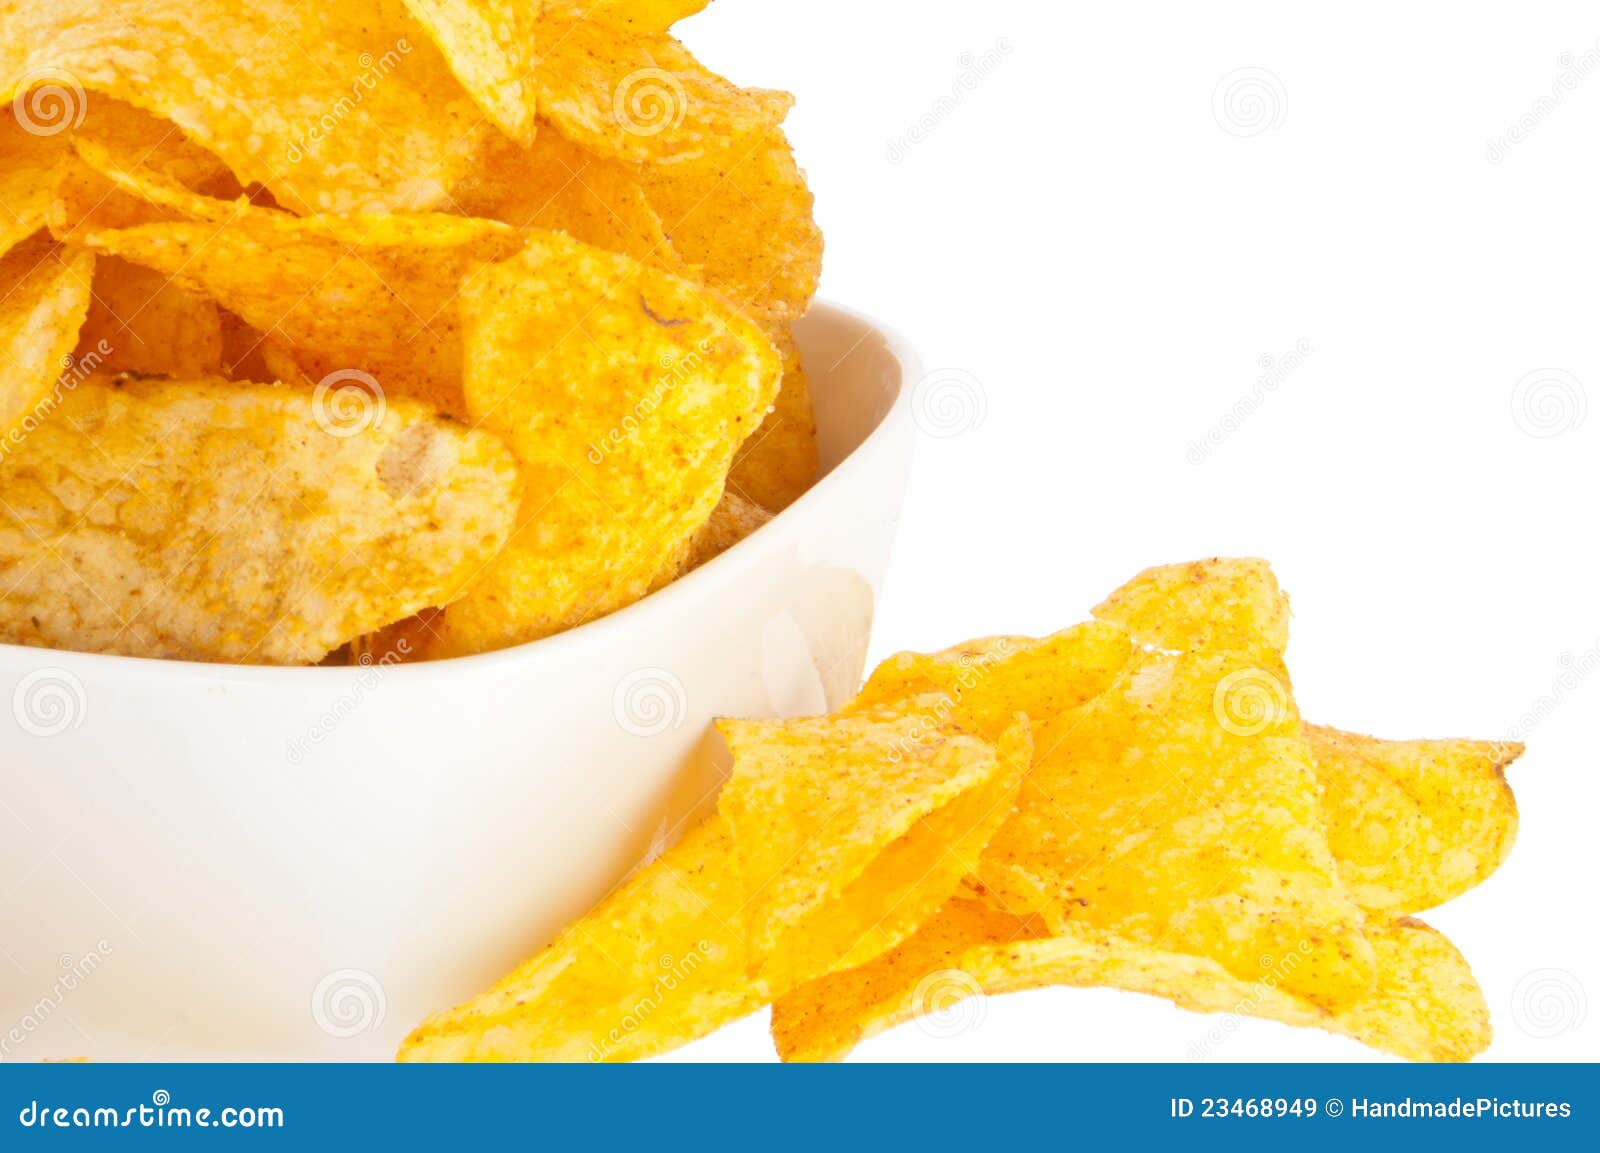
[658,963]
[1414,823]
[30,164]
[334,107]
[641,98]
[849,831]
[779,461]
[211,520]
[624,392]
[141,322]
[1424,1004]
[351,297]
[742,214]
[730,522]
[640,17]
[488,44]
[44,295]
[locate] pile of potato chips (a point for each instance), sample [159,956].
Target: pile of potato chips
[1133,802]
[318,318]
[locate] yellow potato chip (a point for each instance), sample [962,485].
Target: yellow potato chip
[778,463]
[141,322]
[641,98]
[850,831]
[334,107]
[352,297]
[624,392]
[30,164]
[1414,823]
[1180,807]
[640,17]
[658,963]
[557,185]
[1424,1004]
[44,296]
[488,44]
[210,520]
[730,522]
[742,214]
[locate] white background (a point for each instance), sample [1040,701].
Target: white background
[1102,248]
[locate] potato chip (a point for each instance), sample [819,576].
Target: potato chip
[624,393]
[209,520]
[730,522]
[488,44]
[658,963]
[641,98]
[44,295]
[353,297]
[742,214]
[557,185]
[850,831]
[29,166]
[1424,1004]
[778,463]
[640,17]
[1414,823]
[141,322]
[336,108]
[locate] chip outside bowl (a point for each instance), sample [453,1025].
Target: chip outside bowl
[205,861]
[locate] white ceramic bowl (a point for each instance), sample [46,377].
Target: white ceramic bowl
[217,862]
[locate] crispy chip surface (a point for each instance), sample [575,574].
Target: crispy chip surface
[640,17]
[336,108]
[211,520]
[488,44]
[624,392]
[778,463]
[44,296]
[730,522]
[30,163]
[656,964]
[348,296]
[1414,823]
[141,322]
[850,831]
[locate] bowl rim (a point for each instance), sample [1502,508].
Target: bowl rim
[717,572]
